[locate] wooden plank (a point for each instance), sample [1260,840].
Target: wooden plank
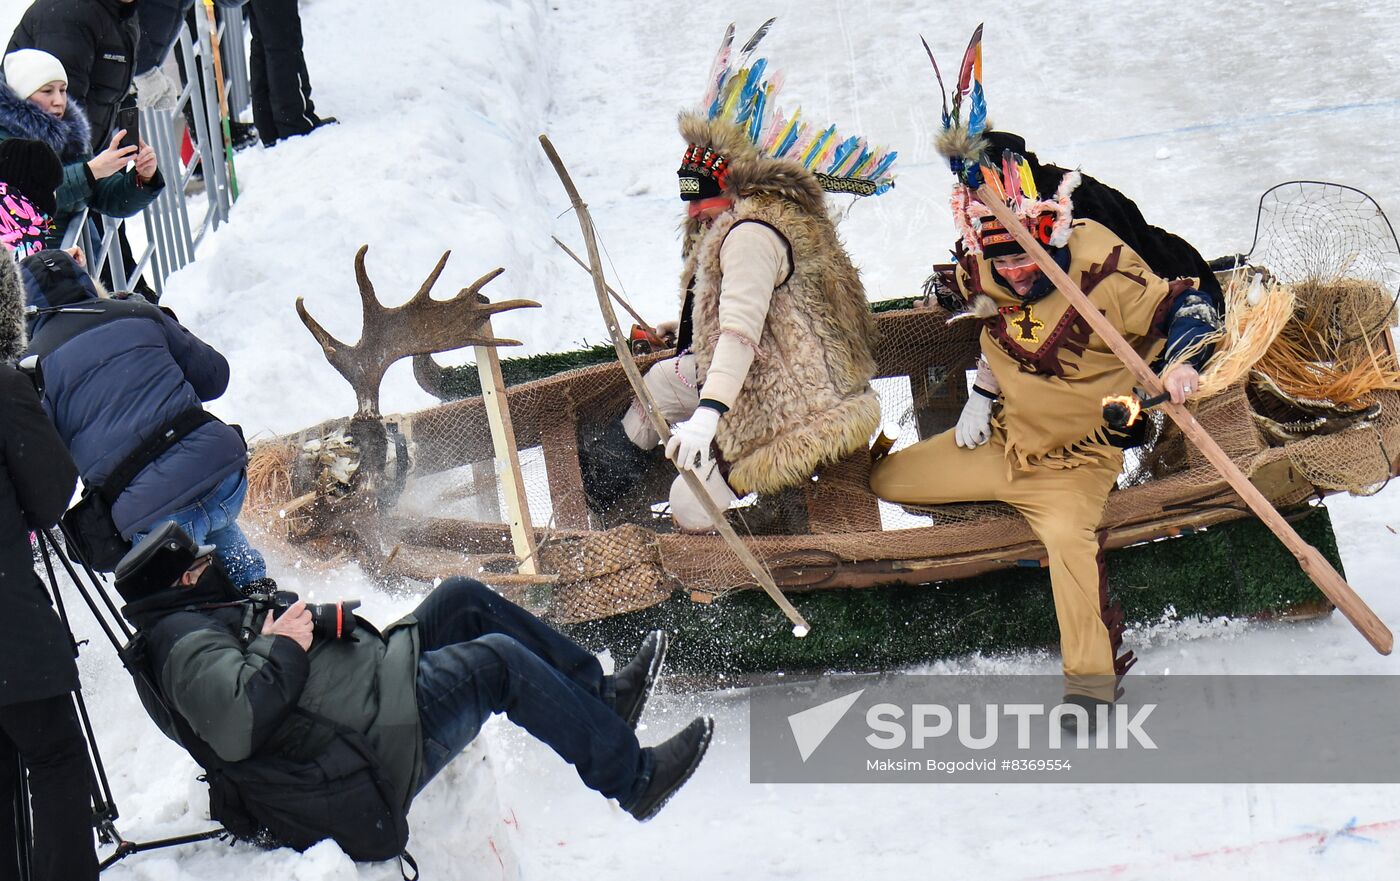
[485,488]
[559,440]
[493,394]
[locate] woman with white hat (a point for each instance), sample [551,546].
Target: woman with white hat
[34,104]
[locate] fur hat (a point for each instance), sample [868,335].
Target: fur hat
[1048,219]
[738,121]
[13,340]
[29,70]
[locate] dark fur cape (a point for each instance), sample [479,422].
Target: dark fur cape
[12,337]
[69,137]
[1166,254]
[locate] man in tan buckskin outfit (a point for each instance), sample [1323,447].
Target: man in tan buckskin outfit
[1047,451]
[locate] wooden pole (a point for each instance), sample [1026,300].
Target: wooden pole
[493,398]
[223,98]
[1314,564]
[800,627]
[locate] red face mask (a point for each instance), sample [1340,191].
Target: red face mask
[708,208]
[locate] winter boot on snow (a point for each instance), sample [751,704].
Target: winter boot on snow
[633,683]
[1069,722]
[673,763]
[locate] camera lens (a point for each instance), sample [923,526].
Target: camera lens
[333,620]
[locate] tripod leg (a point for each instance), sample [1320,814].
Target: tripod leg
[24,822]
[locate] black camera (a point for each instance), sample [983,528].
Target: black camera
[328,620]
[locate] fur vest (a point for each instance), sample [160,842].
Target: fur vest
[807,399]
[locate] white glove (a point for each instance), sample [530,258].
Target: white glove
[975,423]
[690,441]
[155,90]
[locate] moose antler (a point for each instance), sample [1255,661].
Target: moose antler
[421,326]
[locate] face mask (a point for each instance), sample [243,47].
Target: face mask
[213,582]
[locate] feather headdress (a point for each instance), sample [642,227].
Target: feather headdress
[742,92]
[964,143]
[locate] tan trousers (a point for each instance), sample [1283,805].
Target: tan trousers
[1063,508]
[674,385]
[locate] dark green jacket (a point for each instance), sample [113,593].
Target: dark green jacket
[239,698]
[117,195]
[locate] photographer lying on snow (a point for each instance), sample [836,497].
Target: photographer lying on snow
[257,693]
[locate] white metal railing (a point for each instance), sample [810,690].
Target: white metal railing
[174,226]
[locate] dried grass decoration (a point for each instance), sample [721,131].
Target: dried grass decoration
[270,476]
[1256,312]
[1330,351]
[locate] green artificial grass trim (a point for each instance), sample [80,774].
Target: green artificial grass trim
[463,381]
[1237,569]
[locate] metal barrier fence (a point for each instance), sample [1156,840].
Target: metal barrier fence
[175,225]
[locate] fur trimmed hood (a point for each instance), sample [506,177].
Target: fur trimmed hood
[750,172]
[13,340]
[69,137]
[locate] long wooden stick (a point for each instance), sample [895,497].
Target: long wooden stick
[1313,563]
[800,627]
[615,295]
[223,98]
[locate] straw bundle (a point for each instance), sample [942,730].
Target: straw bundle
[270,476]
[1328,352]
[1255,313]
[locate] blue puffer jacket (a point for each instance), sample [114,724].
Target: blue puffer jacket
[121,371]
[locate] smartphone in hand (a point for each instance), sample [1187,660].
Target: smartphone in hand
[129,118]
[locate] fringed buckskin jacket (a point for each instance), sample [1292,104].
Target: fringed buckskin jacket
[1054,372]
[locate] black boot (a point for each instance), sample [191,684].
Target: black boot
[673,763]
[1070,722]
[612,468]
[633,683]
[242,134]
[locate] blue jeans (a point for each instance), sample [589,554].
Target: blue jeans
[482,654]
[214,520]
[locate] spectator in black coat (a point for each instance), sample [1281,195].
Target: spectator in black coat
[38,723]
[282,106]
[96,41]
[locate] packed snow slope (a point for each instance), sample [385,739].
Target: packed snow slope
[1192,109]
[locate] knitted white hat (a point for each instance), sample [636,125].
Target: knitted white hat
[29,70]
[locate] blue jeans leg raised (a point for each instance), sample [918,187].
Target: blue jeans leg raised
[214,520]
[484,655]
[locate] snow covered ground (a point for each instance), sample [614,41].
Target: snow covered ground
[1192,109]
